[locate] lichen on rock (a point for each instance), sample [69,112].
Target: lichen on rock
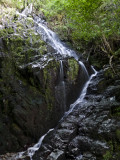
[73,70]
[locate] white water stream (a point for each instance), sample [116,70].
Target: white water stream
[30,151]
[84,69]
[83,93]
[51,38]
[61,71]
[62,86]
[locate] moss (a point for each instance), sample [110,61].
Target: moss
[36,40]
[114,149]
[107,155]
[49,73]
[10,30]
[30,22]
[21,49]
[48,91]
[5,32]
[23,44]
[73,70]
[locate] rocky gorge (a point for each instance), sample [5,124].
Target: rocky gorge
[91,131]
[31,93]
[38,84]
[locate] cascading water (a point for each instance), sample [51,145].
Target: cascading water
[61,71]
[86,74]
[62,86]
[51,38]
[30,151]
[83,93]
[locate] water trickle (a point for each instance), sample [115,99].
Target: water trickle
[31,151]
[83,93]
[28,10]
[52,39]
[61,71]
[62,87]
[85,72]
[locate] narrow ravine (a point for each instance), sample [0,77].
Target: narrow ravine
[54,104]
[52,39]
[31,151]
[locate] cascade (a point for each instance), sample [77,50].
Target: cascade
[30,151]
[28,10]
[61,71]
[62,86]
[51,38]
[83,93]
[84,70]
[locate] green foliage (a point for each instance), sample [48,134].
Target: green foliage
[54,7]
[107,156]
[85,21]
[13,3]
[90,19]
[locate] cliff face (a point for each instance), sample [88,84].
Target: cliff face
[32,95]
[92,129]
[37,85]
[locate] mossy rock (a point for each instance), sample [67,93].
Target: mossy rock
[107,155]
[21,49]
[6,32]
[50,74]
[73,69]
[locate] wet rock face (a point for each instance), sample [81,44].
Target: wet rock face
[75,80]
[31,98]
[91,131]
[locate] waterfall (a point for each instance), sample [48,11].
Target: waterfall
[51,38]
[61,71]
[28,10]
[82,94]
[30,151]
[84,70]
[62,86]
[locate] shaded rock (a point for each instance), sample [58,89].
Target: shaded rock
[30,93]
[96,123]
[56,155]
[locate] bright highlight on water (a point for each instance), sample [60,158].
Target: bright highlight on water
[52,39]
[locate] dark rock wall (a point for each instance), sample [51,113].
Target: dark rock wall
[31,100]
[92,130]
